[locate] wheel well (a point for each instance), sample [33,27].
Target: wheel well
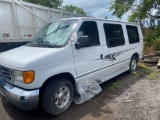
[136,54]
[62,75]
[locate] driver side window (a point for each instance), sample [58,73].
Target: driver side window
[89,28]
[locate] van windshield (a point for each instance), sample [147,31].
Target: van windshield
[53,34]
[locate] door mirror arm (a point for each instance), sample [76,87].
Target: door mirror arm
[82,42]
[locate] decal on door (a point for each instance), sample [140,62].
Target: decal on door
[112,57]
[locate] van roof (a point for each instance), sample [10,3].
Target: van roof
[101,19]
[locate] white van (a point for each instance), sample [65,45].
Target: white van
[67,60]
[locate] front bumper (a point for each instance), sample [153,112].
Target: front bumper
[23,99]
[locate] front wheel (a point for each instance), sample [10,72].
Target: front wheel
[57,96]
[133,64]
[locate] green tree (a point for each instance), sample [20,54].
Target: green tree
[49,3]
[74,9]
[142,11]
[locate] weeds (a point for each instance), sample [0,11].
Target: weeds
[116,85]
[147,70]
[152,76]
[144,69]
[156,43]
[152,35]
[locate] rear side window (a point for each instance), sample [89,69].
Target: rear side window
[114,35]
[132,34]
[90,29]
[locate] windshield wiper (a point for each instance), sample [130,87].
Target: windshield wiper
[47,44]
[58,29]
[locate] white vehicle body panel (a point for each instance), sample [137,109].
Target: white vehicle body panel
[40,60]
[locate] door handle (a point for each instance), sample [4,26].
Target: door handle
[101,56]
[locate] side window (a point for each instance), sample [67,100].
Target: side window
[114,35]
[132,34]
[90,29]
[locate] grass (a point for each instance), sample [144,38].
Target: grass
[152,76]
[116,85]
[141,69]
[144,69]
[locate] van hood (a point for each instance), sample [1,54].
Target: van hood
[26,57]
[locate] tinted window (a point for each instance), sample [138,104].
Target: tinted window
[132,34]
[114,35]
[90,29]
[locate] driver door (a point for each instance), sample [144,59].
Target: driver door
[88,59]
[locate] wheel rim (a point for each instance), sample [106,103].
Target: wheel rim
[134,64]
[62,97]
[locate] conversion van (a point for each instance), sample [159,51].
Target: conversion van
[67,60]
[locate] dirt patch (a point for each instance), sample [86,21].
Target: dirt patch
[128,96]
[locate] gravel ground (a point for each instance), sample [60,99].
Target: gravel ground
[133,96]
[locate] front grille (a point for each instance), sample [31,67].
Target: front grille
[5,73]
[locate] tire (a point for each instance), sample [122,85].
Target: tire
[133,64]
[57,96]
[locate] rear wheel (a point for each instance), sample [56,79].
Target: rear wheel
[133,63]
[57,96]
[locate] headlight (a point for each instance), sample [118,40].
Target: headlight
[24,77]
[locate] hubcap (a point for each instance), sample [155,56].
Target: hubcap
[62,97]
[134,64]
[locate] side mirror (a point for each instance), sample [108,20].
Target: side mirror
[82,42]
